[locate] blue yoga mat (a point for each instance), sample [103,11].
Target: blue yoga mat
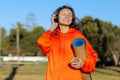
[78,42]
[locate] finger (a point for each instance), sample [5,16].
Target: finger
[76,66]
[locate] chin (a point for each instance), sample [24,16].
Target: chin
[63,24]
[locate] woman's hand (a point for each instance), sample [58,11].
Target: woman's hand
[54,24]
[76,63]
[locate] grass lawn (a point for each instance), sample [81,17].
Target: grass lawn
[107,73]
[36,71]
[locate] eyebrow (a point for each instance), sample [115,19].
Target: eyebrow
[68,13]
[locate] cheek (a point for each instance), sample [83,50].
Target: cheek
[70,19]
[60,18]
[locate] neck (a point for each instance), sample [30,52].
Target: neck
[64,29]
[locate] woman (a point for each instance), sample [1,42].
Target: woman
[56,45]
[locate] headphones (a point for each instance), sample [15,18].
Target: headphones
[56,18]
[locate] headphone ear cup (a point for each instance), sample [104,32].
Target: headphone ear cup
[56,19]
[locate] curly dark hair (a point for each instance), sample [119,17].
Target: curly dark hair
[73,23]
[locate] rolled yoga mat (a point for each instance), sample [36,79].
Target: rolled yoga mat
[80,52]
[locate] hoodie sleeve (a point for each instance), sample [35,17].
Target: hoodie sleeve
[90,61]
[44,42]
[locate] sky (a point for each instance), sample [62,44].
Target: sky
[13,11]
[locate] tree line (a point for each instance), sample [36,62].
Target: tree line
[103,36]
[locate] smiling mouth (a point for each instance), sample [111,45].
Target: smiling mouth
[64,24]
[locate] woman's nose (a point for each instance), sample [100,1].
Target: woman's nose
[67,16]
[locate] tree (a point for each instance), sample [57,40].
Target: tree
[104,38]
[114,46]
[30,41]
[2,37]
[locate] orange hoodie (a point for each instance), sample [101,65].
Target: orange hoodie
[59,51]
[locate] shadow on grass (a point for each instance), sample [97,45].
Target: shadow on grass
[111,71]
[13,73]
[116,70]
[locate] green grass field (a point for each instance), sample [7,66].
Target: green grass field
[36,71]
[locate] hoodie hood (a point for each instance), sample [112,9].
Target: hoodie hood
[71,30]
